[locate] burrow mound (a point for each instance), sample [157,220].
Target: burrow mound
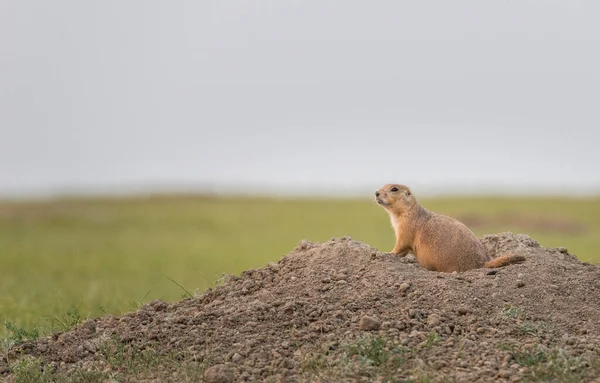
[342,310]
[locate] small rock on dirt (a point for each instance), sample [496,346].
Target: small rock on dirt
[237,358]
[463,310]
[368,323]
[219,373]
[433,320]
[466,343]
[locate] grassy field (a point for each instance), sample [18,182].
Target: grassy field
[69,259]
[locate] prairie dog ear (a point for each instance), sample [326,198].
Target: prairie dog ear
[407,192]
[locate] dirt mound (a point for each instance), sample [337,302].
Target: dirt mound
[344,311]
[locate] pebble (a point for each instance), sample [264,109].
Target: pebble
[368,323]
[520,283]
[219,373]
[304,244]
[288,363]
[90,347]
[504,374]
[433,320]
[127,337]
[404,286]
[463,310]
[570,340]
[466,343]
[410,258]
[237,358]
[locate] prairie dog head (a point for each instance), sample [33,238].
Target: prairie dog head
[395,198]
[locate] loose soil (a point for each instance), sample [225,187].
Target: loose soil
[345,311]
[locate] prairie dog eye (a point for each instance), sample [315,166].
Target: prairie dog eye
[394,189]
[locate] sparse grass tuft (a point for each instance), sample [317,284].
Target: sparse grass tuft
[186,294]
[375,356]
[314,363]
[535,328]
[420,377]
[550,365]
[30,370]
[505,346]
[124,365]
[531,358]
[370,356]
[371,350]
[127,358]
[432,339]
[18,335]
[509,312]
[72,316]
[376,351]
[221,279]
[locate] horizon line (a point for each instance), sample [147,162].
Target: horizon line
[289,191]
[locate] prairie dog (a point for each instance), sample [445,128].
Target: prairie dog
[439,242]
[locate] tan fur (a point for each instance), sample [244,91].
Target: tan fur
[439,242]
[504,260]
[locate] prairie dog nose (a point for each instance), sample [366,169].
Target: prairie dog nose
[377,194]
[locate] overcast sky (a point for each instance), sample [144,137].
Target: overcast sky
[299,95]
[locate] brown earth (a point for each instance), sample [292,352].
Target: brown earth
[344,311]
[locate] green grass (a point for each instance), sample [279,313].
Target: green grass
[65,260]
[368,355]
[118,363]
[510,312]
[376,351]
[552,365]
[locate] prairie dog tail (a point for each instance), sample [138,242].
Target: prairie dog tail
[504,260]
